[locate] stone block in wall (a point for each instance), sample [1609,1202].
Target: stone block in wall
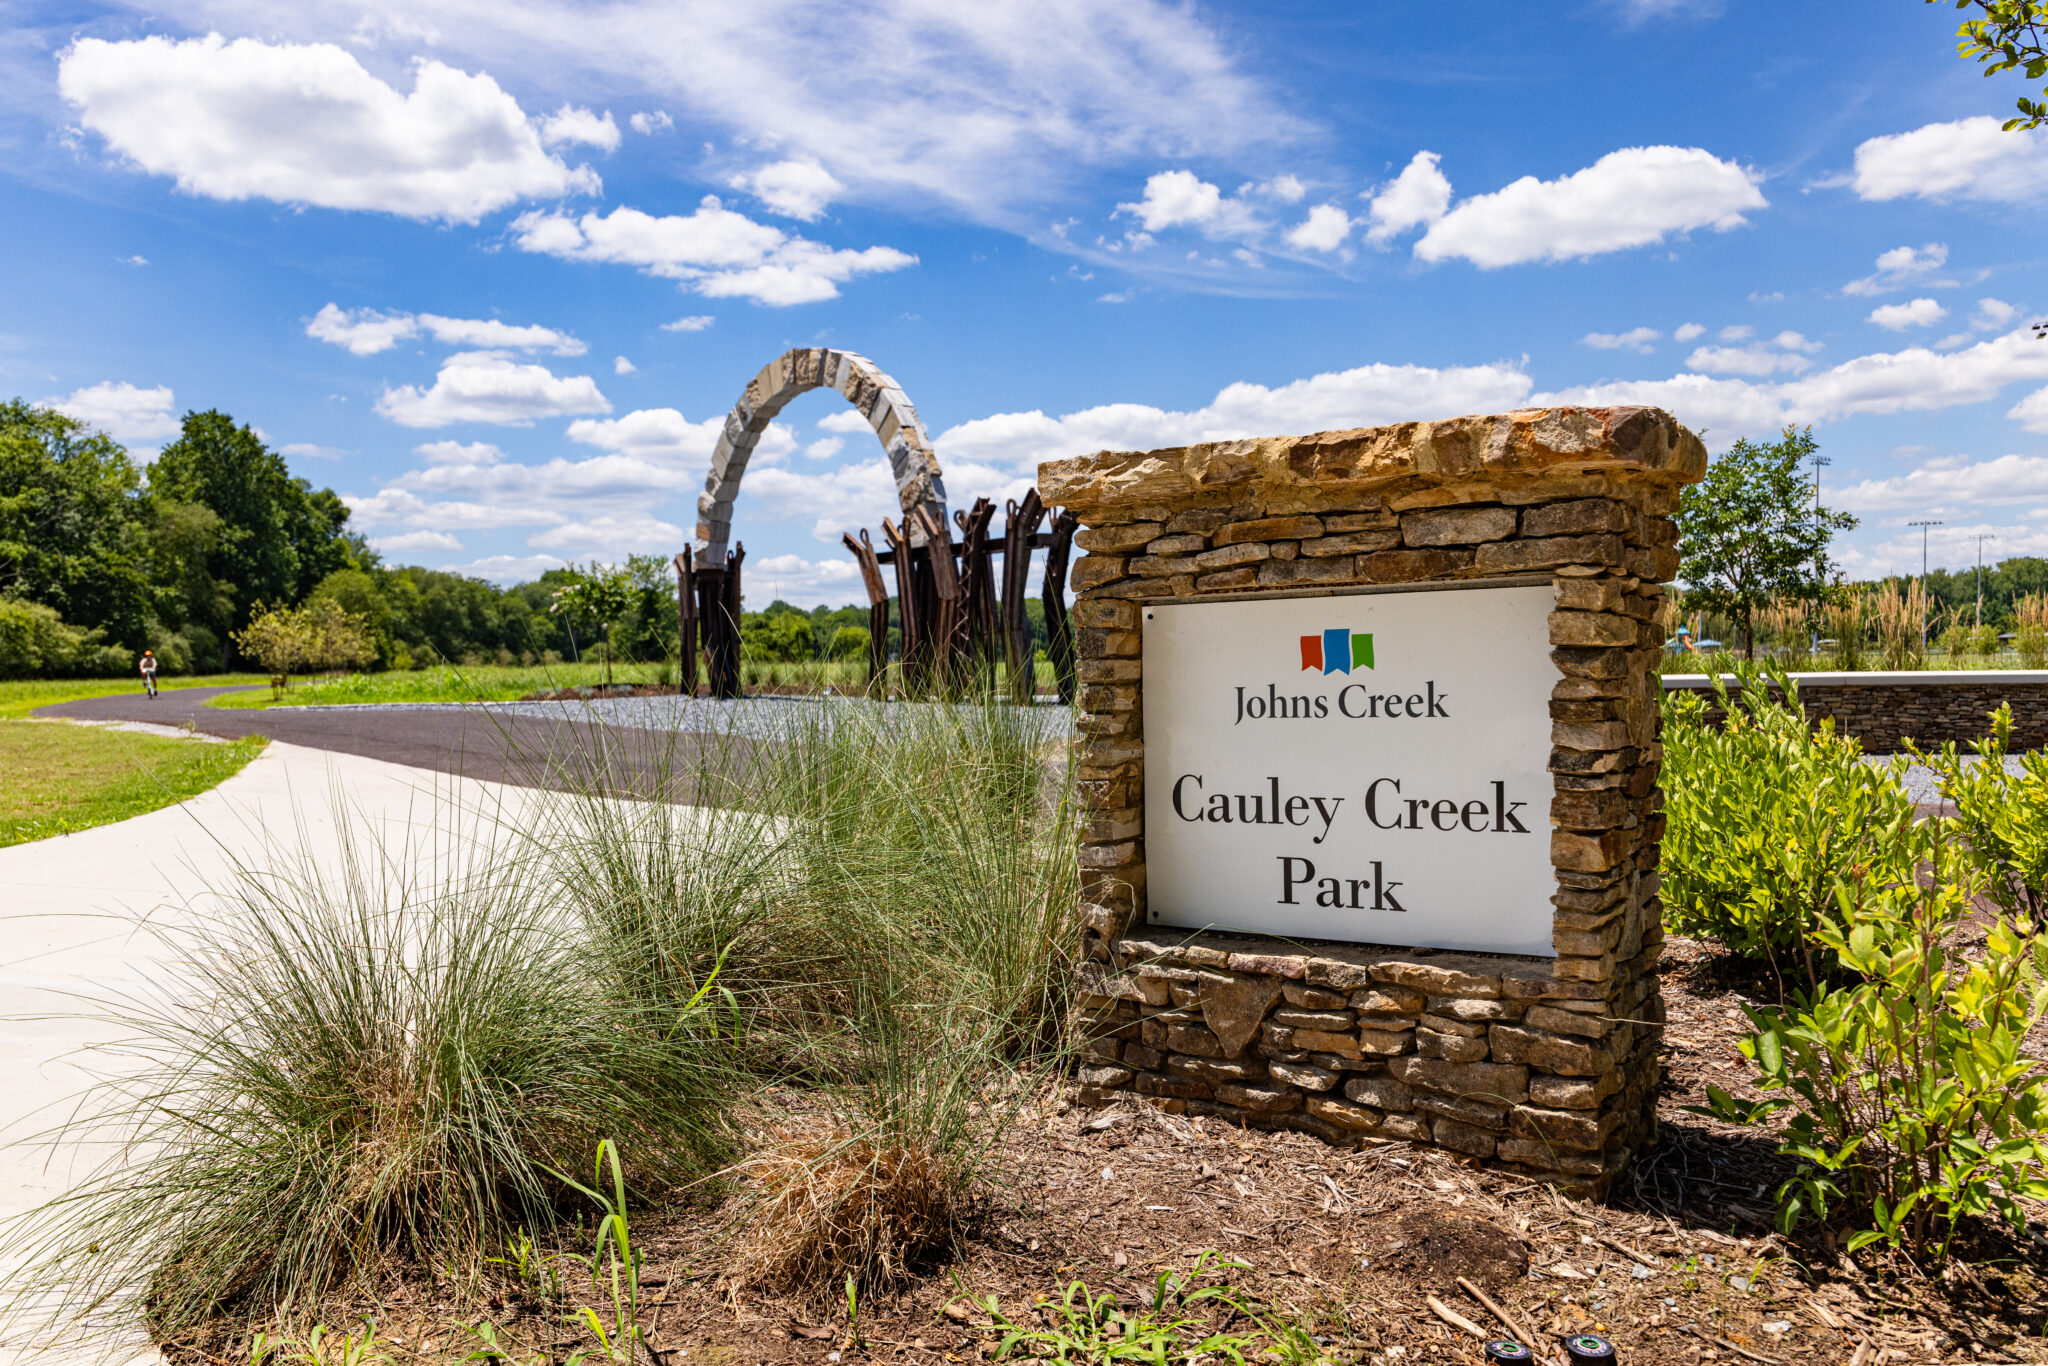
[1412,566]
[1111,539]
[1268,529]
[1457,526]
[1520,557]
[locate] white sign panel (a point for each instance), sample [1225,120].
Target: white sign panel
[1369,767]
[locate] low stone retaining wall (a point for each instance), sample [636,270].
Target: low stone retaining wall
[1496,1057]
[1931,707]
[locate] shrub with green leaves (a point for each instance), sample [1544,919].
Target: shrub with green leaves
[1916,1101]
[2001,816]
[1765,814]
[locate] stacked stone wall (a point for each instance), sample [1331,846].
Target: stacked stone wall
[1883,711]
[1543,1066]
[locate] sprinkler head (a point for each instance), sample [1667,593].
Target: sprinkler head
[1589,1348]
[1507,1352]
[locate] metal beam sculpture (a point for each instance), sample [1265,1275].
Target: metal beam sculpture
[714,572]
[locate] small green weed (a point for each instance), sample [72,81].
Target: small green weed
[1084,1328]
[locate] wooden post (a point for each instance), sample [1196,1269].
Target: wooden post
[686,625]
[1059,636]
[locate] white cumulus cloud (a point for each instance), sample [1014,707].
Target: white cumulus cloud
[1915,313]
[1174,199]
[571,124]
[1360,397]
[1324,229]
[412,542]
[1685,332]
[609,538]
[122,410]
[307,124]
[798,188]
[366,332]
[1630,198]
[2031,412]
[1899,268]
[718,252]
[459,453]
[1420,195]
[651,121]
[1641,340]
[1968,159]
[695,323]
[489,386]
[622,366]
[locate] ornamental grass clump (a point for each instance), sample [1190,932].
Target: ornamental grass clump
[351,1070]
[889,895]
[1765,814]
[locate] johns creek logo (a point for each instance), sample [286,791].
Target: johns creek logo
[1336,651]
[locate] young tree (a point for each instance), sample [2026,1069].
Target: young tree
[597,595]
[2009,36]
[338,638]
[278,638]
[1752,532]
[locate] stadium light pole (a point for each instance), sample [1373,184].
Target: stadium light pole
[1923,578]
[1987,536]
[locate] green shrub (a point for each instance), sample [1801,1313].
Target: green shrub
[36,643]
[1915,1098]
[2001,817]
[1765,815]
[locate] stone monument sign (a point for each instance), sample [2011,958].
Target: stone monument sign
[1352,700]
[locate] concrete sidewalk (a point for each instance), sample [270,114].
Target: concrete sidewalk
[72,936]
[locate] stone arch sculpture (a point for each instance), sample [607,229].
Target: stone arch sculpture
[953,624]
[876,396]
[709,573]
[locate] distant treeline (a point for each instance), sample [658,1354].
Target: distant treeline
[2005,583]
[100,559]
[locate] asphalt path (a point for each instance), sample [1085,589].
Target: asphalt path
[483,743]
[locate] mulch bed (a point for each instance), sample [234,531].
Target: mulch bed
[1678,1265]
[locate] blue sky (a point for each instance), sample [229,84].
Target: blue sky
[496,271]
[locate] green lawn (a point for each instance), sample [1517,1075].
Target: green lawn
[478,683]
[19,698]
[56,777]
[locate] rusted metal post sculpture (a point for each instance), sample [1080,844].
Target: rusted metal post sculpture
[863,551]
[978,593]
[1059,634]
[907,608]
[948,635]
[718,607]
[686,625]
[1020,530]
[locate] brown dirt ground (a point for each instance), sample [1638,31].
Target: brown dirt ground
[1677,1266]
